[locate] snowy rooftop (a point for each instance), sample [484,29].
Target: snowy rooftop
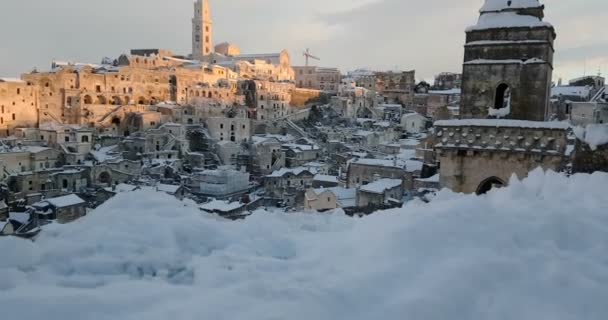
[168,188]
[326,178]
[295,171]
[498,5]
[503,123]
[16,80]
[379,162]
[582,92]
[221,206]
[495,20]
[65,201]
[455,91]
[381,185]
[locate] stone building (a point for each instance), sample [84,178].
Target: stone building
[62,209]
[447,81]
[267,100]
[18,105]
[364,171]
[508,62]
[267,155]
[223,183]
[380,192]
[236,130]
[479,154]
[507,73]
[317,78]
[289,185]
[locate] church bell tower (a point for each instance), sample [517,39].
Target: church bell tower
[508,62]
[202,30]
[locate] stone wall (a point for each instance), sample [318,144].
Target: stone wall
[470,155]
[588,161]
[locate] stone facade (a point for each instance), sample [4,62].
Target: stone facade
[18,105]
[324,79]
[478,154]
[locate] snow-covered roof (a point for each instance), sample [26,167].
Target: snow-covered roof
[495,20]
[499,5]
[325,178]
[222,206]
[346,197]
[582,92]
[503,123]
[295,171]
[454,91]
[380,162]
[381,185]
[106,153]
[434,178]
[21,217]
[122,187]
[16,80]
[168,188]
[504,61]
[65,201]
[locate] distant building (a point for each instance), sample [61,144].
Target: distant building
[317,78]
[63,209]
[447,81]
[223,183]
[380,192]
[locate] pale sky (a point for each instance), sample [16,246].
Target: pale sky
[379,34]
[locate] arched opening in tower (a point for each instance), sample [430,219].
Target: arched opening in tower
[503,96]
[489,184]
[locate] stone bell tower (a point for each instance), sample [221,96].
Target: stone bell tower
[202,30]
[508,62]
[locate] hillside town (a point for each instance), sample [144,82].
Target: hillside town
[236,131]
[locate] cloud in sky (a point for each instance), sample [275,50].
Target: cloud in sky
[380,34]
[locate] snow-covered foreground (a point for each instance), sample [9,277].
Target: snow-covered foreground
[536,250]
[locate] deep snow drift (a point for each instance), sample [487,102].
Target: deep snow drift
[535,250]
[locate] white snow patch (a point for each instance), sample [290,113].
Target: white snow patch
[494,20]
[534,250]
[594,135]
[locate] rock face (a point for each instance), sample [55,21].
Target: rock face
[508,62]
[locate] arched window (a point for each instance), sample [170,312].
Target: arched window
[503,96]
[489,184]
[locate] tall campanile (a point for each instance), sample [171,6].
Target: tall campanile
[202,30]
[508,62]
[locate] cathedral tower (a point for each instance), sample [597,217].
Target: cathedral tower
[202,30]
[508,62]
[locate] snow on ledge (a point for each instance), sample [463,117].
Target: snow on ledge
[505,61]
[555,125]
[498,5]
[497,20]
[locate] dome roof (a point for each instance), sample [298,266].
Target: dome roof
[499,5]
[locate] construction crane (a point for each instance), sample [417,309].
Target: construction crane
[309,55]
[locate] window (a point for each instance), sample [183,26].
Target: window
[13,116]
[66,138]
[328,199]
[85,139]
[97,88]
[65,183]
[221,126]
[503,96]
[18,91]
